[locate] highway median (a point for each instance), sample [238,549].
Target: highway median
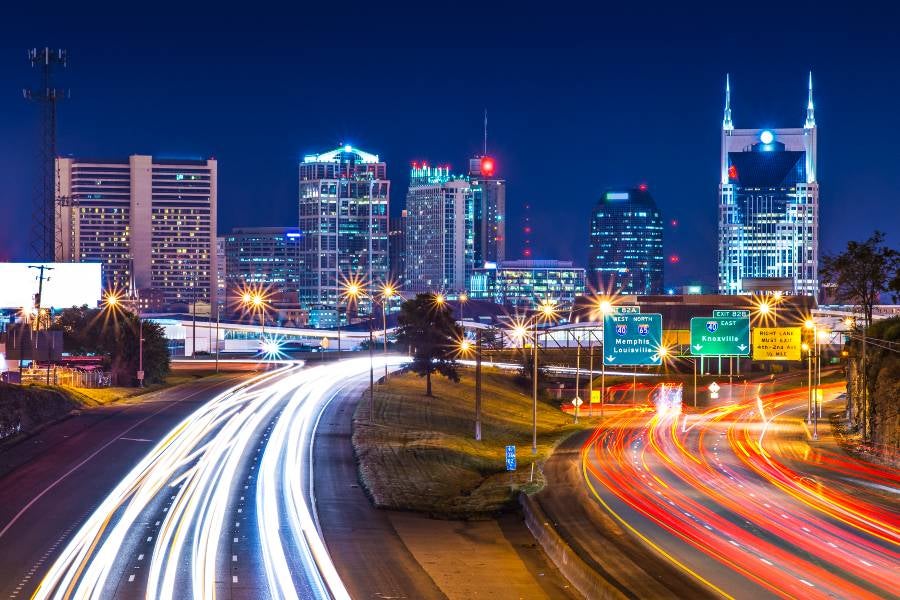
[421,455]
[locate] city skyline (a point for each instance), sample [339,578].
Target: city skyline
[659,126]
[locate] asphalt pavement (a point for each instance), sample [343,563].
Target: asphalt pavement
[739,500]
[53,480]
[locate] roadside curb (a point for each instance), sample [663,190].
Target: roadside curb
[583,578]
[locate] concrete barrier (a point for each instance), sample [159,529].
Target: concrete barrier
[582,577]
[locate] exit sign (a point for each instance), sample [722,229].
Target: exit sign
[731,314]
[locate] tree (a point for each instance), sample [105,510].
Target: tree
[114,335]
[861,273]
[427,327]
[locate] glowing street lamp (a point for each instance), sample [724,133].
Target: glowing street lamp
[355,290]
[388,291]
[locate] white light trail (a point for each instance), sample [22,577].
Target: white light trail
[197,466]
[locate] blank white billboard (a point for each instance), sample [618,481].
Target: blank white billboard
[65,284]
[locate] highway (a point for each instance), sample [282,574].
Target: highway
[740,501]
[222,505]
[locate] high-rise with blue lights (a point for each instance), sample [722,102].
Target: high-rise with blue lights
[440,238]
[344,198]
[768,207]
[626,254]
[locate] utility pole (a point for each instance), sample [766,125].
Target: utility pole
[37,330]
[44,210]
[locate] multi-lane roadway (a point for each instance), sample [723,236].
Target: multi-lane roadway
[210,490]
[221,503]
[744,503]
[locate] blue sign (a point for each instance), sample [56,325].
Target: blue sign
[510,458]
[632,339]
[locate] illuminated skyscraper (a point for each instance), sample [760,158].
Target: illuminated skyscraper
[439,231]
[627,243]
[263,257]
[489,203]
[151,223]
[344,197]
[768,207]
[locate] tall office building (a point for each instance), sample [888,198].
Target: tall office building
[439,231]
[151,224]
[397,248]
[768,207]
[344,198]
[266,258]
[489,202]
[626,253]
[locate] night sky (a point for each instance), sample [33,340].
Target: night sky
[579,101]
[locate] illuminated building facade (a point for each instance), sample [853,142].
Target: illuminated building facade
[150,223]
[768,208]
[626,253]
[440,238]
[266,258]
[397,246]
[344,200]
[527,283]
[489,204]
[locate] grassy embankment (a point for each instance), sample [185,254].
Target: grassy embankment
[26,408]
[421,454]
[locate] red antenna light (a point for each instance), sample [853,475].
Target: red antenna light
[487,166]
[674,259]
[643,187]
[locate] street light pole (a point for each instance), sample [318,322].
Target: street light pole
[577,375]
[590,374]
[534,391]
[218,318]
[478,385]
[384,334]
[140,350]
[371,367]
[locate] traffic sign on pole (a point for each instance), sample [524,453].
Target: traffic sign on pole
[632,339]
[718,336]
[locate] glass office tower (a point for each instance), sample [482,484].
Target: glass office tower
[768,208]
[626,253]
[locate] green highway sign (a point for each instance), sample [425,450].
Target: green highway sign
[732,314]
[632,339]
[626,310]
[718,336]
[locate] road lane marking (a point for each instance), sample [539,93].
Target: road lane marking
[95,453]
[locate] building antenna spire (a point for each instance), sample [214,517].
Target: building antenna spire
[485,132]
[810,111]
[726,122]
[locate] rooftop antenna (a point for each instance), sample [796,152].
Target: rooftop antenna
[726,121]
[485,132]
